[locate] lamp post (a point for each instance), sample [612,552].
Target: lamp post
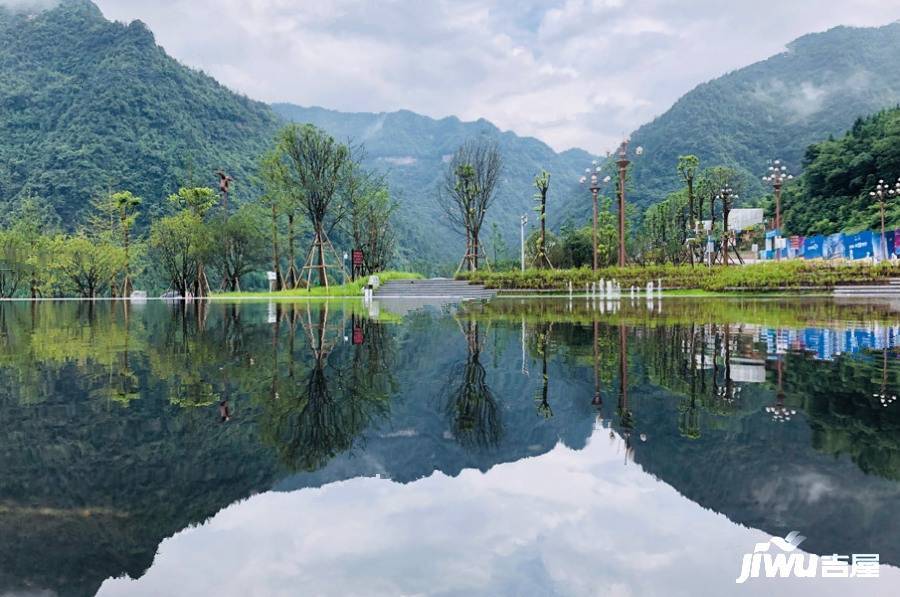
[593,176]
[880,193]
[778,175]
[523,220]
[623,163]
[726,195]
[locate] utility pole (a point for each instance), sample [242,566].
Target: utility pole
[523,221]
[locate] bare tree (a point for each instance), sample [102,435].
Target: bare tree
[468,190]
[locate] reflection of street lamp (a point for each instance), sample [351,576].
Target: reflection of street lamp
[594,175]
[622,163]
[524,222]
[780,413]
[778,175]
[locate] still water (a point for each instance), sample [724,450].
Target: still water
[510,448]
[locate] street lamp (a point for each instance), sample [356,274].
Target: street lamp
[778,175]
[523,221]
[726,195]
[623,163]
[880,193]
[592,175]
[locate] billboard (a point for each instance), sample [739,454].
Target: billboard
[859,245]
[813,246]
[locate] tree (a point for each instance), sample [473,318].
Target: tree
[688,165]
[196,202]
[372,213]
[273,202]
[126,204]
[13,262]
[240,244]
[311,168]
[284,198]
[468,191]
[33,221]
[542,184]
[87,264]
[181,243]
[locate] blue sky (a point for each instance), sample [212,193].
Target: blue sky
[570,72]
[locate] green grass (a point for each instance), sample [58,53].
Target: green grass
[784,276]
[350,289]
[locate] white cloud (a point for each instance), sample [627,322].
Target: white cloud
[571,72]
[562,523]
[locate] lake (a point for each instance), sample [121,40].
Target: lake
[516,447]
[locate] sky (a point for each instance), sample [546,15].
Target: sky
[573,73]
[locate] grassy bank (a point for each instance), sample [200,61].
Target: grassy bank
[763,277]
[349,289]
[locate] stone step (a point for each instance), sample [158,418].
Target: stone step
[433,289]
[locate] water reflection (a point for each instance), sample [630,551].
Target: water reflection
[125,426]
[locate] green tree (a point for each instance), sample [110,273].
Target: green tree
[196,202]
[181,243]
[90,266]
[239,242]
[310,168]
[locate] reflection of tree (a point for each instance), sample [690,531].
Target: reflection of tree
[312,420]
[542,336]
[474,413]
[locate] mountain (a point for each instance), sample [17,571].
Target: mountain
[773,109]
[90,105]
[833,193]
[87,105]
[413,150]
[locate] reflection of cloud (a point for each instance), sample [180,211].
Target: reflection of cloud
[571,523]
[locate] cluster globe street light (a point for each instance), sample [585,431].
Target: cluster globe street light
[777,177]
[592,176]
[881,193]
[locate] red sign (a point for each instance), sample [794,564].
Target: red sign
[358,337]
[358,258]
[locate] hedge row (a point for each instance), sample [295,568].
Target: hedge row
[767,276]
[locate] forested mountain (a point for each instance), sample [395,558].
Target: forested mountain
[833,193]
[413,151]
[773,109]
[88,105]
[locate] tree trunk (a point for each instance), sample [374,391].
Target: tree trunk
[323,274]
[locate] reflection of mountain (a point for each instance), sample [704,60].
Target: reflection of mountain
[95,477]
[812,474]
